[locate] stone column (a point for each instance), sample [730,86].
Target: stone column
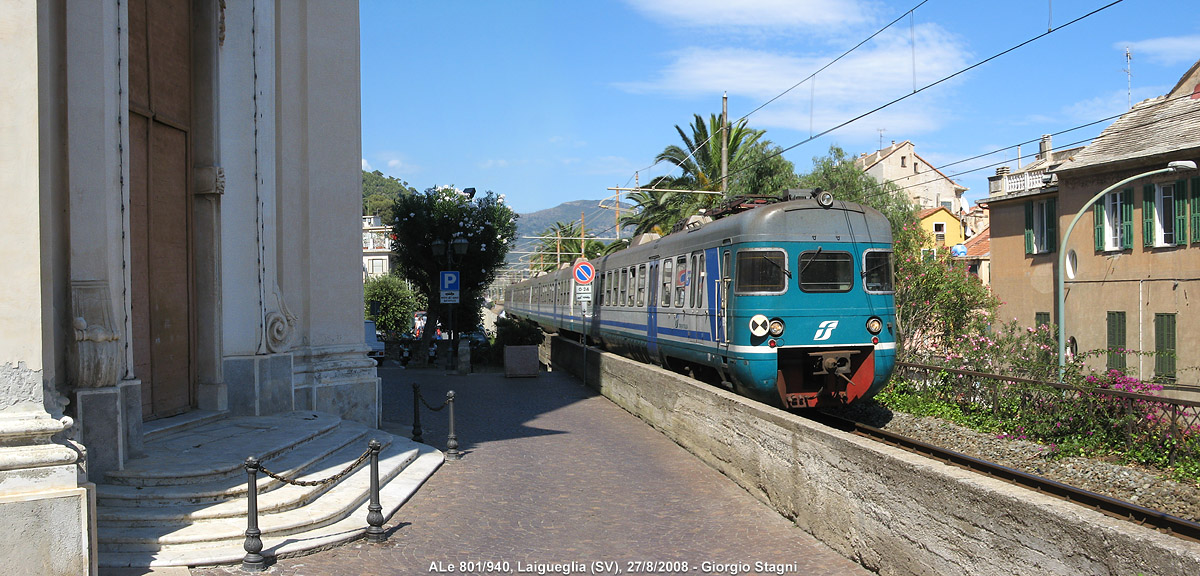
[320,185]
[44,513]
[107,395]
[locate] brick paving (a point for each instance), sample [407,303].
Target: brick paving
[554,474]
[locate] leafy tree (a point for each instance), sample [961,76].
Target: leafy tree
[837,173]
[379,194]
[487,224]
[936,298]
[762,170]
[394,303]
[700,158]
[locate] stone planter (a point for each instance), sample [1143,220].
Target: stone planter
[521,361]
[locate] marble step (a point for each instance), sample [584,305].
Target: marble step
[318,526]
[216,450]
[174,509]
[349,435]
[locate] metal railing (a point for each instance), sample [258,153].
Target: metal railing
[1143,419]
[254,561]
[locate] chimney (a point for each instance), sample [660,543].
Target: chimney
[1044,148]
[1003,171]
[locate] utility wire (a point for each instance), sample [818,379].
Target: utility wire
[1059,133]
[793,87]
[928,86]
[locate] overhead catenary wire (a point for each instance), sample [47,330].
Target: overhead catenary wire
[1059,133]
[812,77]
[928,86]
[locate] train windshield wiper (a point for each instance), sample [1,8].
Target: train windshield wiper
[780,266]
[810,260]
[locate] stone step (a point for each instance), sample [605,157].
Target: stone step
[163,426]
[190,508]
[333,506]
[288,464]
[217,449]
[280,537]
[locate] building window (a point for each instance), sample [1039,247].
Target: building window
[1164,346]
[1041,319]
[904,161]
[1164,214]
[1116,341]
[947,204]
[1041,230]
[1113,219]
[939,232]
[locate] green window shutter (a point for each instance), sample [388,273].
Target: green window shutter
[1116,340]
[1098,220]
[1148,215]
[1164,345]
[1195,209]
[1051,224]
[1181,213]
[1111,327]
[1127,219]
[1029,227]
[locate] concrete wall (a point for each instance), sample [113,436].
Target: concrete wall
[890,510]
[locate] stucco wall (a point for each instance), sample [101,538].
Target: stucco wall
[889,510]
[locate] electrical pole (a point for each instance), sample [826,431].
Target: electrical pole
[724,141]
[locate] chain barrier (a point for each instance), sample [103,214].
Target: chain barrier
[254,561]
[452,452]
[417,391]
[328,480]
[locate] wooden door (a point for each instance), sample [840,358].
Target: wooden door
[160,203]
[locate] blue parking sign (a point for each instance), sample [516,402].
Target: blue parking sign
[449,280]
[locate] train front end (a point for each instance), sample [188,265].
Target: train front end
[813,310]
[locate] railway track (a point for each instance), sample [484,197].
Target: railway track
[1139,515]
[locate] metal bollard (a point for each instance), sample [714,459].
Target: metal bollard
[374,509]
[253,561]
[452,452]
[416,432]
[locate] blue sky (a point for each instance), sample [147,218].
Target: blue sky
[547,102]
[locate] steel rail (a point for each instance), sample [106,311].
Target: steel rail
[1139,515]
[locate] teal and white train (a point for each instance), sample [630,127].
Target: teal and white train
[790,303]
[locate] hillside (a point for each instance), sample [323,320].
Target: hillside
[597,220]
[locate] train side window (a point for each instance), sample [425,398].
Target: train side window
[761,271]
[629,299]
[826,271]
[877,272]
[682,279]
[641,285]
[624,296]
[666,283]
[701,274]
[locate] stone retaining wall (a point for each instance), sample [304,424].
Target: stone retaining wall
[891,511]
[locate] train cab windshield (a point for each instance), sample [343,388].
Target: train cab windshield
[877,271]
[761,271]
[822,271]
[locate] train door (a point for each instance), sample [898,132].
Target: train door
[651,284]
[724,277]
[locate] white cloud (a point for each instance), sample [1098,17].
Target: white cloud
[871,76]
[366,165]
[1168,51]
[762,14]
[400,166]
[493,163]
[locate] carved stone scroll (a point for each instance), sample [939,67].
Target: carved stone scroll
[95,349]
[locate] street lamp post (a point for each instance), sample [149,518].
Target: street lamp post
[1060,292]
[458,248]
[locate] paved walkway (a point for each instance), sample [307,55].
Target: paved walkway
[554,474]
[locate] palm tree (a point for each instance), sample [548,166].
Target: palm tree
[561,243]
[700,163]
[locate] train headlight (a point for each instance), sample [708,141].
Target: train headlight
[874,325]
[776,327]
